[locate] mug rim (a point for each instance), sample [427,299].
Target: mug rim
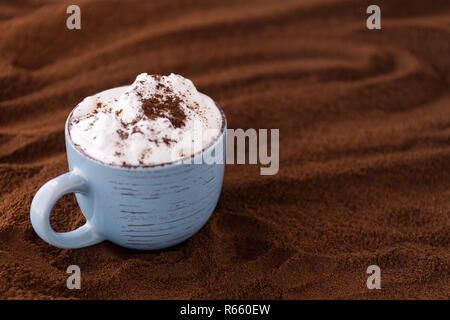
[150,166]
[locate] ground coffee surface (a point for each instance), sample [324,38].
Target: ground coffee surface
[364,119]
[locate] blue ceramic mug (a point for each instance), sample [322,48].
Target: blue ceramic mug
[147,207]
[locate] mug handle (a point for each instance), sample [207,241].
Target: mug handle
[42,204]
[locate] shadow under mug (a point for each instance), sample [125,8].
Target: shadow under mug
[145,208]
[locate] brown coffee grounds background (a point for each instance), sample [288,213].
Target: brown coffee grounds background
[364,119]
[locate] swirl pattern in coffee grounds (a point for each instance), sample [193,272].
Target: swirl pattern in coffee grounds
[364,145]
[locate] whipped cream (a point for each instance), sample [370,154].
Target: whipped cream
[157,119]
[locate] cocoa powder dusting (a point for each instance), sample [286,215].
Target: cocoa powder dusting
[364,173]
[136,130]
[165,107]
[168,141]
[122,134]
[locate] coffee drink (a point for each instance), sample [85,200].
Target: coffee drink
[139,165]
